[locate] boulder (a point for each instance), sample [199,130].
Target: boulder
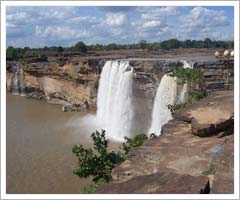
[210,115]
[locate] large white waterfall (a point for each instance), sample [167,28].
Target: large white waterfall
[166,94]
[114,99]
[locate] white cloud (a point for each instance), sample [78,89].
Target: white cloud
[83,19]
[38,30]
[67,25]
[154,13]
[203,17]
[151,24]
[116,19]
[203,22]
[60,32]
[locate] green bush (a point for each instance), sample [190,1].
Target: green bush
[176,106]
[197,95]
[96,161]
[135,142]
[187,74]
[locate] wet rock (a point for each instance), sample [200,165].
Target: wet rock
[71,108]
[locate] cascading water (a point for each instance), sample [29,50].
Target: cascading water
[114,100]
[18,84]
[166,94]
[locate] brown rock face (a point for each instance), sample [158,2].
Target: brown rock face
[67,85]
[84,69]
[223,179]
[158,183]
[211,115]
[179,161]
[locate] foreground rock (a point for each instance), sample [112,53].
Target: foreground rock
[158,183]
[210,115]
[188,163]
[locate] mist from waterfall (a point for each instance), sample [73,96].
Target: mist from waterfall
[114,99]
[18,84]
[166,94]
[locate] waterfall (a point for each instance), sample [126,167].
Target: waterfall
[18,84]
[114,99]
[166,94]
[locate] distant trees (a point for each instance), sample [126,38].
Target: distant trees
[60,49]
[80,47]
[142,44]
[167,44]
[170,44]
[15,53]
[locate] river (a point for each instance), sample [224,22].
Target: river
[39,147]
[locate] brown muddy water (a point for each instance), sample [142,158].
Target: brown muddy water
[39,147]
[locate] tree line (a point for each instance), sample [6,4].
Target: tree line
[81,47]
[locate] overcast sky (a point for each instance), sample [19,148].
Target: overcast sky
[54,26]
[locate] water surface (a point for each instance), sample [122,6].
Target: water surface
[39,142]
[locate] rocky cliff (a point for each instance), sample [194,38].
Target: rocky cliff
[73,81]
[182,160]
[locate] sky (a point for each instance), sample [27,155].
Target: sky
[64,26]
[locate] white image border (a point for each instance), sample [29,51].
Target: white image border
[4,4]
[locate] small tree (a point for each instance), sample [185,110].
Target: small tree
[97,161]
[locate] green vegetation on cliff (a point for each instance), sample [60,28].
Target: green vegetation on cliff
[193,77]
[189,75]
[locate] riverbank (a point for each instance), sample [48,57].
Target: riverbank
[180,161]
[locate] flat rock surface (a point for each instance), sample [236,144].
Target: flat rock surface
[211,114]
[177,151]
[223,179]
[159,183]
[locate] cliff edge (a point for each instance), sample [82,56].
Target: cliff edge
[194,154]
